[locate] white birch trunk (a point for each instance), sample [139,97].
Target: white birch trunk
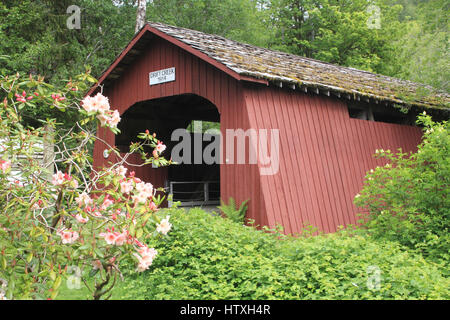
[141,13]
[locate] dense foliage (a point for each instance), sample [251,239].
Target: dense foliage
[208,257]
[344,32]
[408,199]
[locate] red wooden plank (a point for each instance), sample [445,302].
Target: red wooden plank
[286,171]
[300,211]
[338,159]
[350,168]
[311,133]
[302,157]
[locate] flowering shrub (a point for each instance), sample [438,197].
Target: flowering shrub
[408,199]
[64,213]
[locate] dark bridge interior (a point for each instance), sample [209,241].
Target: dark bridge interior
[192,184]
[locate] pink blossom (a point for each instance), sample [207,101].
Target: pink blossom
[115,238]
[106,204]
[114,119]
[120,171]
[103,118]
[160,147]
[102,102]
[141,197]
[126,186]
[58,178]
[164,226]
[109,237]
[121,239]
[4,165]
[110,118]
[99,103]
[152,206]
[146,188]
[69,236]
[81,219]
[83,200]
[89,105]
[145,258]
[148,252]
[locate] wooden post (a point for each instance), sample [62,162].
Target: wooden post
[206,191]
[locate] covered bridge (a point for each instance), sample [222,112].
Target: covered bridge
[326,121]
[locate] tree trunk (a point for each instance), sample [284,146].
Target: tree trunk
[141,12]
[49,151]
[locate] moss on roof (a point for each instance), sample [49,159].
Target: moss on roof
[281,67]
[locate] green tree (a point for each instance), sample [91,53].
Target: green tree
[339,32]
[239,20]
[423,48]
[35,36]
[35,39]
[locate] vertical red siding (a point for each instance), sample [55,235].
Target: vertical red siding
[324,156]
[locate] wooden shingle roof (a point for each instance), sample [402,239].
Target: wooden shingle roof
[286,70]
[291,70]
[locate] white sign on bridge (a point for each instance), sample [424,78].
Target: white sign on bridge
[162,76]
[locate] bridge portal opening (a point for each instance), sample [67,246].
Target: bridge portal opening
[188,125]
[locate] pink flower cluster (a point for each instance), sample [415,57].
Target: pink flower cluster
[83,200]
[68,236]
[60,178]
[23,98]
[120,171]
[160,147]
[116,238]
[58,98]
[126,186]
[164,226]
[81,219]
[4,165]
[144,191]
[100,105]
[145,257]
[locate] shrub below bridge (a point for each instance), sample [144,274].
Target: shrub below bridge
[208,257]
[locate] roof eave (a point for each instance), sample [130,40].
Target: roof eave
[176,42]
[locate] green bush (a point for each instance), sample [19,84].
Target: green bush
[408,199]
[208,257]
